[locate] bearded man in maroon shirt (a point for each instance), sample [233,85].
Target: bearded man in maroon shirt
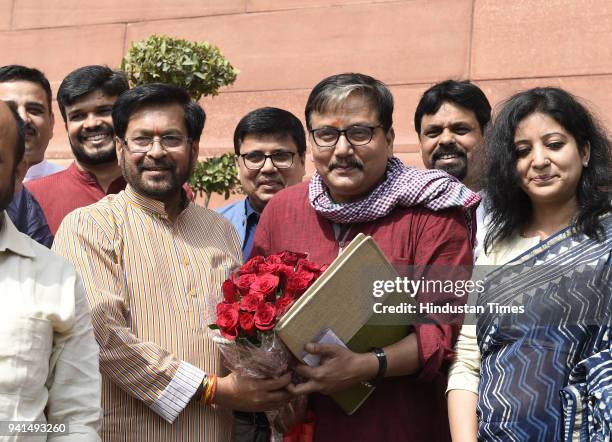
[85,98]
[417,217]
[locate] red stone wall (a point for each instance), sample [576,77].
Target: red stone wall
[284,47]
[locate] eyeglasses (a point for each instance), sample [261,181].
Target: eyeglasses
[257,160]
[358,135]
[143,144]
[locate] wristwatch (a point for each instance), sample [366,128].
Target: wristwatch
[382,368]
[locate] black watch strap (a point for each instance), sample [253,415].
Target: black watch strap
[382,367]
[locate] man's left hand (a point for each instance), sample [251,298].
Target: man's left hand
[340,368]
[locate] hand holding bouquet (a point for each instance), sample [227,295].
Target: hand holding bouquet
[254,299]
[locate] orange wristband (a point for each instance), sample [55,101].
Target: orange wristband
[210,386]
[214,391]
[205,383]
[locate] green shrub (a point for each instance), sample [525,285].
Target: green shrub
[199,67]
[215,175]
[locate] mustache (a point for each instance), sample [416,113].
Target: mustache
[30,129]
[102,128]
[348,162]
[268,180]
[164,164]
[448,149]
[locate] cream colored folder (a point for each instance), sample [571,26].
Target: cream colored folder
[341,300]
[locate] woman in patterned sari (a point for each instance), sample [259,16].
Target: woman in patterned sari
[544,372]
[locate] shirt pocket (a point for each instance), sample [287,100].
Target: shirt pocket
[25,349]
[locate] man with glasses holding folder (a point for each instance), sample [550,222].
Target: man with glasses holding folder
[270,147]
[417,218]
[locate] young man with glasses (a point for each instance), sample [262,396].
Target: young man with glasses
[152,264]
[417,217]
[270,147]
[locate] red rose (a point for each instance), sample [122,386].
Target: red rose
[247,323]
[250,302]
[291,258]
[308,266]
[227,319]
[265,284]
[265,316]
[230,291]
[251,265]
[273,268]
[286,270]
[283,304]
[274,259]
[272,264]
[243,282]
[298,282]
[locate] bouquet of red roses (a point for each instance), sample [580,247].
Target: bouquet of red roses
[254,299]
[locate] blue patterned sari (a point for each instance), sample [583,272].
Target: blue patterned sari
[546,374]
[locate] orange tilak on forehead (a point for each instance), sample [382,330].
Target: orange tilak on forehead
[337,121]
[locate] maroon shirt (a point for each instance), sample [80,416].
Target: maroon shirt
[406,408]
[62,192]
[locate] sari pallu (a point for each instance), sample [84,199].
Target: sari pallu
[563,286]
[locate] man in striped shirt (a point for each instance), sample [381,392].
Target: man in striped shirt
[153,264]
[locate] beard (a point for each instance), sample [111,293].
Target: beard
[100,156]
[159,188]
[459,165]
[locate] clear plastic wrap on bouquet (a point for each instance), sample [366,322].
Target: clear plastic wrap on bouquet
[270,360]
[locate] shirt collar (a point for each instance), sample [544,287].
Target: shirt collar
[248,208]
[82,175]
[149,204]
[89,178]
[12,240]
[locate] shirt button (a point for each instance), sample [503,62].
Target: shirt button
[186,262]
[193,294]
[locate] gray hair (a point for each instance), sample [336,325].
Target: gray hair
[332,92]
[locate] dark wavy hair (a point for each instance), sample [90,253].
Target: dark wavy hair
[463,93]
[509,206]
[85,80]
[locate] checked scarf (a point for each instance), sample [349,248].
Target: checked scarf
[404,186]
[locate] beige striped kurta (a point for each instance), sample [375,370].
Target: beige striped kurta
[152,286]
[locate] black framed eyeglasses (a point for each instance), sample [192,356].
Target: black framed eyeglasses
[358,135]
[143,144]
[256,160]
